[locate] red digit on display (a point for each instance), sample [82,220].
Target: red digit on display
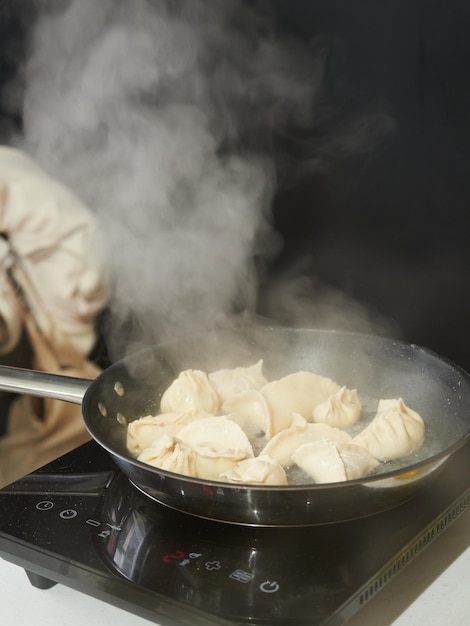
[176,556]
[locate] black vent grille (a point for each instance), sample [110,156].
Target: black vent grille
[414,549]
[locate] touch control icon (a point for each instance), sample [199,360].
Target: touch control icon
[212,565]
[68,514]
[269,586]
[44,505]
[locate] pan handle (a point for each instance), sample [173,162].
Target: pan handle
[32,382]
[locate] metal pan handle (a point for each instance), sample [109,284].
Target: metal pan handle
[32,382]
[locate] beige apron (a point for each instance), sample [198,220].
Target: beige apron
[41,429]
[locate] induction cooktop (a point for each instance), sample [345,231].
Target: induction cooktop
[79,522]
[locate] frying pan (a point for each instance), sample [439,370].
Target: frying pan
[377,367]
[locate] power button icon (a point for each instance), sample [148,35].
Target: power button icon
[269,586]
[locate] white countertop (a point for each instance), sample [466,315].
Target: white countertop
[431,590]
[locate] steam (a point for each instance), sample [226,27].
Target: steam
[300,300]
[163,117]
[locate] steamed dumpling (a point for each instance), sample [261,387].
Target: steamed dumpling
[142,432]
[283,445]
[261,470]
[170,454]
[191,390]
[331,462]
[394,432]
[299,392]
[342,409]
[218,443]
[228,382]
[252,410]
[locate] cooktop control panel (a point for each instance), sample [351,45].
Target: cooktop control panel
[80,522]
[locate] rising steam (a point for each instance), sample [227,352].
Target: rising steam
[161,116]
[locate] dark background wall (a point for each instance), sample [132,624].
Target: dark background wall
[391,226]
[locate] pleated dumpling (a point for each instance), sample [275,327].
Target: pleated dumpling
[228,382]
[218,443]
[394,432]
[341,410]
[142,432]
[299,392]
[332,462]
[168,453]
[260,470]
[191,390]
[283,445]
[252,410]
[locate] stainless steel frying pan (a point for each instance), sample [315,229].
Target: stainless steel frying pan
[377,367]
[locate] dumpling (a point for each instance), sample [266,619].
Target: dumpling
[331,462]
[394,432]
[283,445]
[261,470]
[168,453]
[142,432]
[299,392]
[228,382]
[272,408]
[342,409]
[218,443]
[252,410]
[191,390]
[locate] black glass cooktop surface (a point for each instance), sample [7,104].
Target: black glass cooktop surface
[78,521]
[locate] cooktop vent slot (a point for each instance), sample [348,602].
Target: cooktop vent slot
[415,548]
